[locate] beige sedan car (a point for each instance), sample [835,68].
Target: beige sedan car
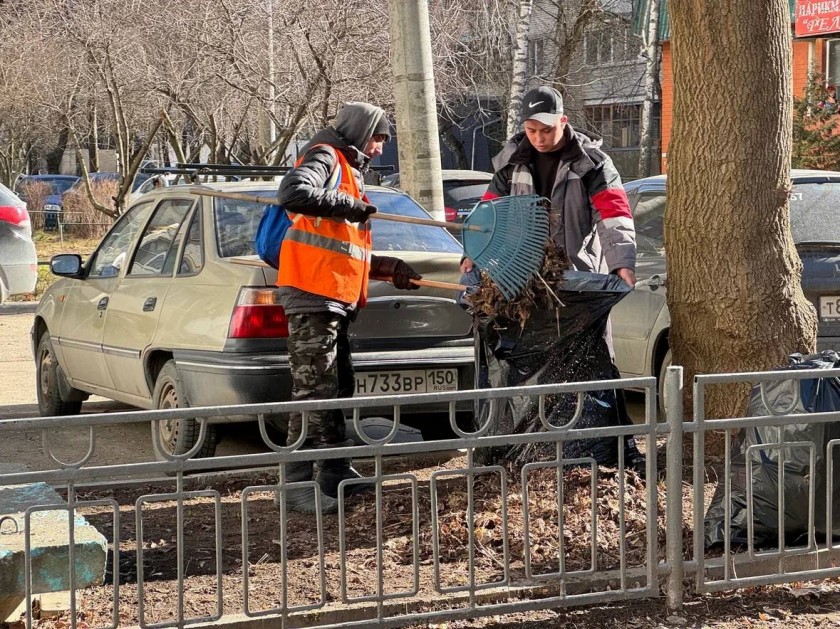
[164,314]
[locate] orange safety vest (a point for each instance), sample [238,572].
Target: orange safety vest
[328,256]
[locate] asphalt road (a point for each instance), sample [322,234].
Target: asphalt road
[128,443]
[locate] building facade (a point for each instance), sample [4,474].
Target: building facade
[816,52]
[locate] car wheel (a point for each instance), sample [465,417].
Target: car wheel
[663,371]
[48,382]
[178,436]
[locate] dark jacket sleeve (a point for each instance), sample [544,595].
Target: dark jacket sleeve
[612,216]
[500,184]
[302,190]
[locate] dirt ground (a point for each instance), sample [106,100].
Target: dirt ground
[797,605]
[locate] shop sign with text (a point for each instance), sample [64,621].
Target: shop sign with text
[817,17]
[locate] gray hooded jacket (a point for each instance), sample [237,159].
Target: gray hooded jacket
[590,216]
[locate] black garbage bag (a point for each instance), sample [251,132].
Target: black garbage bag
[819,395]
[555,345]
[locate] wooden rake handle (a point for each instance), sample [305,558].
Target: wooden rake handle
[434,284]
[428,283]
[239,196]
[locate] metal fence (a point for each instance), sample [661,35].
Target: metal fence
[441,534]
[60,220]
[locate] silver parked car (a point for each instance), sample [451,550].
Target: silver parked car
[167,312]
[18,262]
[640,322]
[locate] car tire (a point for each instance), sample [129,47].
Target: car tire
[178,436]
[660,384]
[48,375]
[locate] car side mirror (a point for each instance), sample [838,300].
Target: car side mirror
[66,265]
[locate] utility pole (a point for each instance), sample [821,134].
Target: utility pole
[414,90]
[267,131]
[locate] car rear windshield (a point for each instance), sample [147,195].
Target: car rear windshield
[7,197]
[461,192]
[815,212]
[236,223]
[59,185]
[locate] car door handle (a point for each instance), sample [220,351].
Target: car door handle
[149,304]
[103,303]
[653,282]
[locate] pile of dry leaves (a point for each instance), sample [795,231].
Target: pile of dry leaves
[539,293]
[579,534]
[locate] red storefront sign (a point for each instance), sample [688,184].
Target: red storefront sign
[817,17]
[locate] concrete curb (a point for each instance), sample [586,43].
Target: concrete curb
[18,307]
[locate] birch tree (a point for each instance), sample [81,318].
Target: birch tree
[650,51]
[519,73]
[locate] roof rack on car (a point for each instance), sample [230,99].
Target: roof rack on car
[228,170]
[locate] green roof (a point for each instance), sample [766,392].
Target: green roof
[641,16]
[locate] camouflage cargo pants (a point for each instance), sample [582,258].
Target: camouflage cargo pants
[322,369]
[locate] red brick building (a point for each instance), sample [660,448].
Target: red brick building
[816,45]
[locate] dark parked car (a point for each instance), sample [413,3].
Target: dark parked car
[170,310]
[133,194]
[59,184]
[462,189]
[18,262]
[640,322]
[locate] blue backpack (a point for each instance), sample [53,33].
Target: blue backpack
[275,223]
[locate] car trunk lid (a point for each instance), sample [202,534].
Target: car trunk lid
[821,283]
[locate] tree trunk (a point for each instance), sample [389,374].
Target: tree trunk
[650,47]
[453,143]
[520,65]
[734,289]
[572,42]
[54,156]
[93,142]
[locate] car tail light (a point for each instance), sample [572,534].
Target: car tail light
[14,215]
[258,314]
[450,214]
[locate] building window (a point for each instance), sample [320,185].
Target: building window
[832,70]
[619,124]
[610,43]
[535,56]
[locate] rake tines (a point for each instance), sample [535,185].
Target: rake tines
[506,238]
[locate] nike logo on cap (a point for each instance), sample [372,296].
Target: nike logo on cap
[532,105]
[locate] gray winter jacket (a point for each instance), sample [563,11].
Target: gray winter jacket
[590,216]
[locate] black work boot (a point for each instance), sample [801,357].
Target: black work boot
[332,471]
[302,499]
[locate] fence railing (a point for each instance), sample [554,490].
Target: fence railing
[442,534]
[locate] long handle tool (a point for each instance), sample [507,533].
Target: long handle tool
[254,261]
[505,237]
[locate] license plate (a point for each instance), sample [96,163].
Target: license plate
[830,308]
[408,381]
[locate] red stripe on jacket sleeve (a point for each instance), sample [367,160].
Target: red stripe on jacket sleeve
[489,196]
[612,203]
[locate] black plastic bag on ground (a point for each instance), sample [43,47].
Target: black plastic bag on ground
[555,345]
[819,395]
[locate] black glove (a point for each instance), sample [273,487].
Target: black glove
[360,211]
[403,274]
[394,270]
